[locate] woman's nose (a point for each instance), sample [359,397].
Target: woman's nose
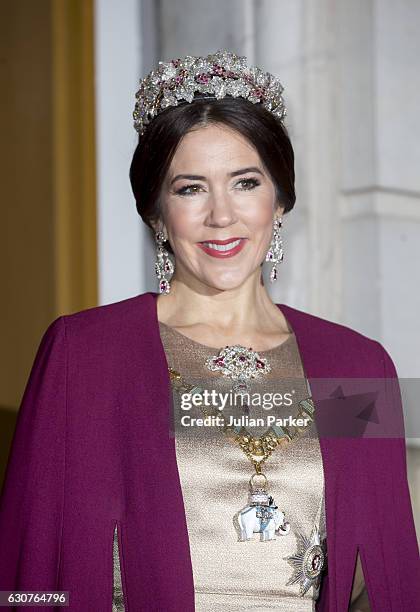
[221,212]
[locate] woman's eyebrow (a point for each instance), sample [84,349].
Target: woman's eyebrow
[199,177]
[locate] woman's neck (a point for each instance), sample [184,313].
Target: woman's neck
[244,315]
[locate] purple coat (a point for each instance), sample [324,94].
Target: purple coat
[91,449]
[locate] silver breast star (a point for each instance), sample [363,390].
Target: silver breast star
[308,561]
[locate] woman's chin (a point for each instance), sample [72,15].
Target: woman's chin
[226,282]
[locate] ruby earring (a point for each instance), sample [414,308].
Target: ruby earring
[163,265]
[275,253]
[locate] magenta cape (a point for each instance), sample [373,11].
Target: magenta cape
[91,449]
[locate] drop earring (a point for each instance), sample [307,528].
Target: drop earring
[275,253]
[163,265]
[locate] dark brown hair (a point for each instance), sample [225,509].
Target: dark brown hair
[156,147]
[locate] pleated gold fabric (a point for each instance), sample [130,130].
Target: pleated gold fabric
[214,473]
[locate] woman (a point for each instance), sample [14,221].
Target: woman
[115,491]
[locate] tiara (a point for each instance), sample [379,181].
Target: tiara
[220,74]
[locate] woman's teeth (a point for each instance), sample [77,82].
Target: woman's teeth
[222,247]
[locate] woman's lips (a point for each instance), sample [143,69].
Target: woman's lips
[223,248]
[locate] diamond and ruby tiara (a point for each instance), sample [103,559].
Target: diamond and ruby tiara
[219,74]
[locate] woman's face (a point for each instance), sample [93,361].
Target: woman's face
[218,204]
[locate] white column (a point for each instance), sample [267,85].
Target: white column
[295,40]
[380,178]
[199,27]
[121,235]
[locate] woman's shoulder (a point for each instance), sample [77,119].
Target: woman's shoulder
[105,328]
[332,336]
[307,322]
[115,315]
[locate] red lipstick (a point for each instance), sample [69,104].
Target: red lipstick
[223,248]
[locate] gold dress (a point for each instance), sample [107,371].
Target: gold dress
[229,574]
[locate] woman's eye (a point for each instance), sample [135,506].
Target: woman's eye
[249,183]
[188,190]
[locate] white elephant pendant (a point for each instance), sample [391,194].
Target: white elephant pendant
[260,515]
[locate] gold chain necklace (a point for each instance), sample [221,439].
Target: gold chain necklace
[260,515]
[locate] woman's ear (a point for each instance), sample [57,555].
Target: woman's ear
[279,210]
[158,226]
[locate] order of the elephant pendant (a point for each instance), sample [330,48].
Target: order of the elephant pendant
[260,515]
